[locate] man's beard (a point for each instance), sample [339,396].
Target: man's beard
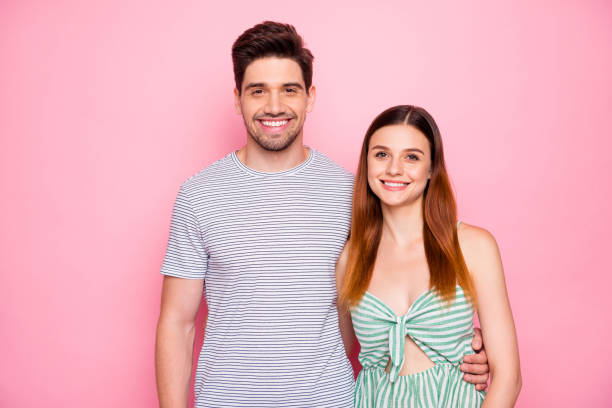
[275,144]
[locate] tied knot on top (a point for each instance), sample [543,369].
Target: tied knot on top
[397,344]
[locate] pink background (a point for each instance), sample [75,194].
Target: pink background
[106,107]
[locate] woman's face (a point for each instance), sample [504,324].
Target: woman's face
[399,164]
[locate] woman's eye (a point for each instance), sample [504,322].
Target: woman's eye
[380,154]
[413,157]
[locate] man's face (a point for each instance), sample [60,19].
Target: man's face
[274,102]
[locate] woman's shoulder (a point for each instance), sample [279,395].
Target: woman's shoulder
[474,236]
[477,244]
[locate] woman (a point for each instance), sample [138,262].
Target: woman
[412,277]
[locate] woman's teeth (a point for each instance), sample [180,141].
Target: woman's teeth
[392,184]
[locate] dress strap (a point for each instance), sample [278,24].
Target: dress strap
[458,222]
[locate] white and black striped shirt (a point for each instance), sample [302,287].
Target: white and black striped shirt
[266,245]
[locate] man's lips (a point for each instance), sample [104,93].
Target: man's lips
[394,185]
[274,125]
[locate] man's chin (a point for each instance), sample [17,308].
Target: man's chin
[275,144]
[274,147]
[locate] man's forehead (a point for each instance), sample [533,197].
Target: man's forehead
[273,71]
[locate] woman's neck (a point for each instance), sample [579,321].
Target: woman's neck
[403,225]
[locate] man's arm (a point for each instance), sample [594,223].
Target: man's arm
[344,316]
[476,366]
[180,301]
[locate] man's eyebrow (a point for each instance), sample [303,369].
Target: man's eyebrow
[410,149]
[262,85]
[294,84]
[254,85]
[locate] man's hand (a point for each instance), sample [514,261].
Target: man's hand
[475,366]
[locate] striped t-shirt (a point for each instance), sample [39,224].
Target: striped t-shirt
[266,245]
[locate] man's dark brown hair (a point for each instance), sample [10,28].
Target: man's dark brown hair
[270,39]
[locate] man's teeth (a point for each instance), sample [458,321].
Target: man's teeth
[274,123]
[391,184]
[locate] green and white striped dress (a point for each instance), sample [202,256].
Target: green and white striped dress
[443,333]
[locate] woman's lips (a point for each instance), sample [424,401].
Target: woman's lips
[393,185]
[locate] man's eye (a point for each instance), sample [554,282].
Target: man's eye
[257,92]
[291,90]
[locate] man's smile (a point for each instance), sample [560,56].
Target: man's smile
[274,125]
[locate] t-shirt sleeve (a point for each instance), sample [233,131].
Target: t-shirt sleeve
[186,256]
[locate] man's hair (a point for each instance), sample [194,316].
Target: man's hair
[270,39]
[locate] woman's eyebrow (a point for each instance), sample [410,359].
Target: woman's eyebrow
[410,149]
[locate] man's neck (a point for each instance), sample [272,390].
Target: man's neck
[255,157]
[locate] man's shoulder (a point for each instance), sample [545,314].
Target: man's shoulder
[201,180]
[331,168]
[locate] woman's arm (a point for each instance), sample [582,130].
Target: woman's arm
[484,263]
[344,317]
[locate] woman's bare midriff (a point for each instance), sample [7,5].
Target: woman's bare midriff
[415,360]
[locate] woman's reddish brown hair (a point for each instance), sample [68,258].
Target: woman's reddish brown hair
[444,257]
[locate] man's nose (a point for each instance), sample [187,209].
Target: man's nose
[273,104]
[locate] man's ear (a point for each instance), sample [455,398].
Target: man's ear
[312,96]
[237,102]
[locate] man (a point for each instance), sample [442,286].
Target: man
[262,229]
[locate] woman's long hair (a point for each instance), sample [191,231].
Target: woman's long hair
[444,258]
